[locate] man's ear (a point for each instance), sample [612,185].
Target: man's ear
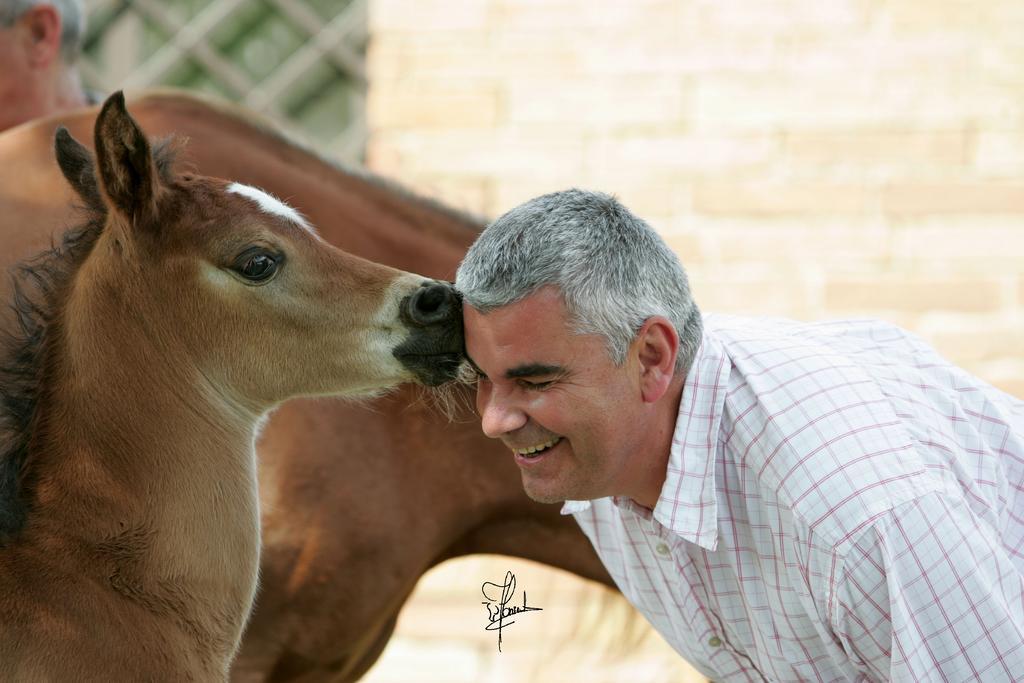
[41,28]
[656,346]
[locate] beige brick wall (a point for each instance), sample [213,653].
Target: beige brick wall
[805,158]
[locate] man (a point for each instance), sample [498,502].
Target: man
[782,501]
[39,45]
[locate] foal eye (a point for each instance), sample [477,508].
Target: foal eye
[257,267]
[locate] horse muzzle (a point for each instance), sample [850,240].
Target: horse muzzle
[434,349]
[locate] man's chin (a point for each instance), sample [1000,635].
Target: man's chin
[537,491]
[544,497]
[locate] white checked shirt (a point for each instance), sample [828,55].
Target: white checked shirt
[840,504]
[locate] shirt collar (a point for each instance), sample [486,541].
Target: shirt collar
[688,504]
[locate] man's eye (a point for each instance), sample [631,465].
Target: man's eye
[535,386]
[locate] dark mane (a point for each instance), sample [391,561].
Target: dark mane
[39,286]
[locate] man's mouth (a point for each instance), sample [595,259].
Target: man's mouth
[530,452]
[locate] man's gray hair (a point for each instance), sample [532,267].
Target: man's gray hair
[613,270]
[72,19]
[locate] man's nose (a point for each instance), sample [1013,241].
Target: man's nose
[498,417]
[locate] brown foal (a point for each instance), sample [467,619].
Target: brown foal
[152,343]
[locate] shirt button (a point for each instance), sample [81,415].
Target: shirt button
[715,641]
[662,548]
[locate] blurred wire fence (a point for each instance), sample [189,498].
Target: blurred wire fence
[299,62]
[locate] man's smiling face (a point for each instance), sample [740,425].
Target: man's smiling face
[543,386]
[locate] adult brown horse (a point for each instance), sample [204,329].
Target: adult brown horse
[152,343]
[358,502]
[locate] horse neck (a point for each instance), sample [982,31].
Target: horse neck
[137,463]
[417,234]
[167,460]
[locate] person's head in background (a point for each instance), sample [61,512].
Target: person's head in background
[40,41]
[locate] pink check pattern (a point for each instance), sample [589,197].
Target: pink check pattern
[841,504]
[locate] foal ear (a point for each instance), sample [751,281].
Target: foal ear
[128,176]
[76,163]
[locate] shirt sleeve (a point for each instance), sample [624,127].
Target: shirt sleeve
[928,593]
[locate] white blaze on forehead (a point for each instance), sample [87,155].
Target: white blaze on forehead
[270,204]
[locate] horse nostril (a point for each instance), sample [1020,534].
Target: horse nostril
[431,303]
[430,299]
